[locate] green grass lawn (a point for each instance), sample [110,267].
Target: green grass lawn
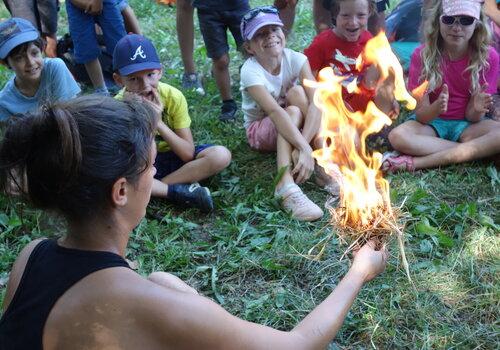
[248,254]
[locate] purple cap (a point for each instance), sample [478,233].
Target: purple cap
[261,19]
[134,53]
[14,32]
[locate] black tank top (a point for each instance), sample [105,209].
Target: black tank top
[50,271]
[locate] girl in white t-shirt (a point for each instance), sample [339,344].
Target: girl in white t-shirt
[279,114]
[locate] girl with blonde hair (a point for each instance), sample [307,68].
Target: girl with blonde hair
[449,125]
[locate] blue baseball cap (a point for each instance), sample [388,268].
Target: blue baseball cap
[134,53]
[14,32]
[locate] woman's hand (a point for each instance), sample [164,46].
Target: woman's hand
[369,262]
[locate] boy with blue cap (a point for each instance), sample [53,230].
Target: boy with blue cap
[36,80]
[179,163]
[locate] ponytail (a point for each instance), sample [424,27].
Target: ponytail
[67,156]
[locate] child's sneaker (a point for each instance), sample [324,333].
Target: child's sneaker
[192,81]
[295,201]
[228,111]
[330,181]
[192,195]
[397,162]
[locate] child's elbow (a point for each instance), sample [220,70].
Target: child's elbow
[187,155]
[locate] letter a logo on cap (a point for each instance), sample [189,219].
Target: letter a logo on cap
[138,52]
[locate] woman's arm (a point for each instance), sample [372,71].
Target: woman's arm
[194,322]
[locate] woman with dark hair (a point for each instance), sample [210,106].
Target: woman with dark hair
[90,160]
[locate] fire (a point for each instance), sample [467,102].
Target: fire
[364,193]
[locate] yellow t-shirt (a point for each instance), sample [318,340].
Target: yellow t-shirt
[175,110]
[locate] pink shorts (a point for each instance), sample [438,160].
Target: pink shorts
[262,135]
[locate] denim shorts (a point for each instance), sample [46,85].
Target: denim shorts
[168,162]
[447,129]
[82,30]
[121,4]
[214,26]
[381,5]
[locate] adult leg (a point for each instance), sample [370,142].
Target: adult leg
[417,139]
[287,15]
[170,281]
[130,20]
[478,141]
[185,34]
[47,13]
[210,161]
[322,17]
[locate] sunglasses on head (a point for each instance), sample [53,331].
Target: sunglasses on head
[463,20]
[255,11]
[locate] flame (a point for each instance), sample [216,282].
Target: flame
[364,194]
[419,91]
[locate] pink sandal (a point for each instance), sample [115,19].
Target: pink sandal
[398,163]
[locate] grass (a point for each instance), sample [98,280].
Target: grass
[247,255]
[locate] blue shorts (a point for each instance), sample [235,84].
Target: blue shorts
[214,26]
[447,129]
[82,30]
[168,162]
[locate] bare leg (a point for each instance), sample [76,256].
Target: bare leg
[51,48]
[417,139]
[209,162]
[322,17]
[185,34]
[170,281]
[287,15]
[284,149]
[478,141]
[95,73]
[130,21]
[296,96]
[220,67]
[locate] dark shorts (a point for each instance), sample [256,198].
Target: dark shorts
[42,14]
[382,5]
[168,162]
[214,26]
[82,30]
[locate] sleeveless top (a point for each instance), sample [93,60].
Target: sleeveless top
[50,271]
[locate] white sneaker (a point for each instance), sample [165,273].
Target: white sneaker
[295,201]
[330,181]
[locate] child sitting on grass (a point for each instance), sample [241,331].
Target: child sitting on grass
[449,125]
[36,80]
[279,114]
[179,163]
[215,18]
[339,48]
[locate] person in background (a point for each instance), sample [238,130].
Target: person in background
[36,80]
[43,15]
[129,19]
[82,17]
[216,18]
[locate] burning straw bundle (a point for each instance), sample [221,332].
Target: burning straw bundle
[365,211]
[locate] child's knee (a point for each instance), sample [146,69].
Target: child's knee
[397,137]
[221,63]
[296,95]
[220,157]
[295,115]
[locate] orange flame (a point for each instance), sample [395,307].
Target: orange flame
[419,91]
[364,192]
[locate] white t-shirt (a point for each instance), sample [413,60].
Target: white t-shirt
[252,73]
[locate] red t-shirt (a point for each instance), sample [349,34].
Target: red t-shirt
[329,50]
